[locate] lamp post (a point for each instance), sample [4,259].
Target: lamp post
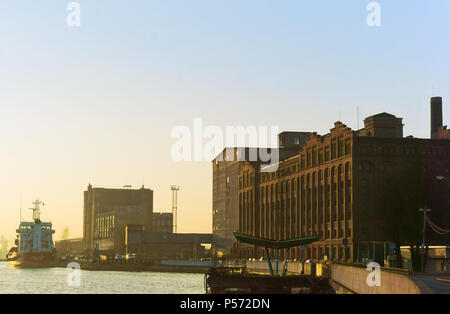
[425,211]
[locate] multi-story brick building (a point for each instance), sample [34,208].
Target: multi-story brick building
[330,189]
[225,206]
[107,212]
[226,168]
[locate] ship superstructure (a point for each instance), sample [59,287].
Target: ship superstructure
[35,245]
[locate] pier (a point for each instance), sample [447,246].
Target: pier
[274,278]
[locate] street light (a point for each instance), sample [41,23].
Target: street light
[441,178]
[425,211]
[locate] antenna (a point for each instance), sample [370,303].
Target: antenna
[37,210]
[175,189]
[20,207]
[357,117]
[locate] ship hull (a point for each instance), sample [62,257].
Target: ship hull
[34,260]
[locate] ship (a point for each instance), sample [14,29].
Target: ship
[34,242]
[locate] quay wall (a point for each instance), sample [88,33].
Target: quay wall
[349,279]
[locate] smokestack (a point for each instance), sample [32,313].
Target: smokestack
[436,115]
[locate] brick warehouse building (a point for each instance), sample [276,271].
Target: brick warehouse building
[226,171]
[328,189]
[108,211]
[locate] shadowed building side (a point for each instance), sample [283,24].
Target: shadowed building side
[107,212]
[225,190]
[162,223]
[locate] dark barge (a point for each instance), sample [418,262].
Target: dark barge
[226,280]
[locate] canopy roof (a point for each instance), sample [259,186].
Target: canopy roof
[275,244]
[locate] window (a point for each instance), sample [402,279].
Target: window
[348,147]
[308,158]
[320,157]
[333,149]
[314,156]
[340,147]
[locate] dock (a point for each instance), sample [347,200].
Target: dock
[229,281]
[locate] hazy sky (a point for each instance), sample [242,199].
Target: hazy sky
[97,103]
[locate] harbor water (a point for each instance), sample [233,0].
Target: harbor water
[55,280]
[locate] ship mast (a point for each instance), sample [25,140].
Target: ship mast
[37,211]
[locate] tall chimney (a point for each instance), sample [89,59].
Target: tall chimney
[436,115]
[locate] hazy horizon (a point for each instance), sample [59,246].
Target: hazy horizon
[97,103]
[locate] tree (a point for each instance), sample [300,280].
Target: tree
[65,234]
[401,194]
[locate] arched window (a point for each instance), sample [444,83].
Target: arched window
[347,167]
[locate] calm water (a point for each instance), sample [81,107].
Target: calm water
[54,280]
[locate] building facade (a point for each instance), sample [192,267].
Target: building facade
[225,202]
[226,168]
[162,223]
[166,246]
[107,212]
[330,189]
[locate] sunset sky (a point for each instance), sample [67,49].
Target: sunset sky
[97,103]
